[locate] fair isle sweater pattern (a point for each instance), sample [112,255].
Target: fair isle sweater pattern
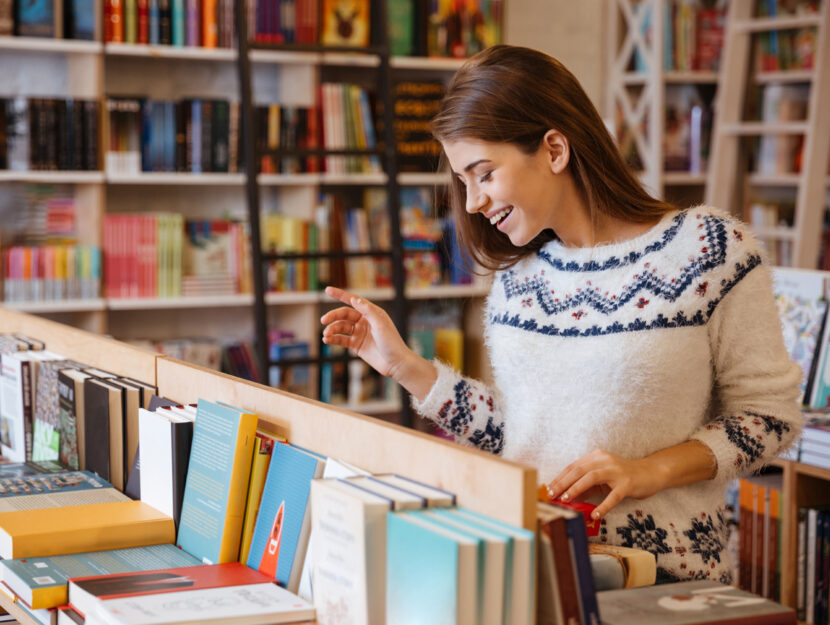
[672,280]
[569,314]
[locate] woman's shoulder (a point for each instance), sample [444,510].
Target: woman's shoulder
[722,228]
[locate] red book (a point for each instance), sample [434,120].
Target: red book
[143,21]
[591,525]
[85,593]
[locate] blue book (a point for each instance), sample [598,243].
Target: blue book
[282,528]
[520,576]
[49,483]
[80,19]
[178,22]
[155,22]
[431,572]
[42,582]
[215,492]
[196,137]
[36,18]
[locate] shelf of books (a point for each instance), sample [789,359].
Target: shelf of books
[771,145]
[664,62]
[147,509]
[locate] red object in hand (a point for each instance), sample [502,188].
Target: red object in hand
[591,524]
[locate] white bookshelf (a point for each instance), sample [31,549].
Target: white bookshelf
[54,46]
[52,177]
[58,306]
[176,179]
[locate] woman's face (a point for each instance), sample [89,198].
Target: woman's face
[517,193]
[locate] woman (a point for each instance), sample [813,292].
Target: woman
[636,348]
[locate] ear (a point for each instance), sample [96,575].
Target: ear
[558,150]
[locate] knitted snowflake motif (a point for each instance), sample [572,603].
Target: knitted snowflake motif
[706,539]
[642,533]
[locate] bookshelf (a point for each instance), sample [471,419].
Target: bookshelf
[751,160]
[652,73]
[482,481]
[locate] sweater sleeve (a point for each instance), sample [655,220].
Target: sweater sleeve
[756,384]
[465,408]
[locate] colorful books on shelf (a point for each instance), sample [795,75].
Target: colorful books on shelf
[812,575]
[51,273]
[348,123]
[759,535]
[203,23]
[281,131]
[42,582]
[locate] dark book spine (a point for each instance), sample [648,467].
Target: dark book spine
[91,135]
[78,135]
[207,136]
[182,439]
[62,145]
[181,134]
[96,429]
[26,383]
[219,130]
[48,134]
[4,160]
[69,134]
[165,23]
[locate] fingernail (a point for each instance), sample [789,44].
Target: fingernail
[551,493]
[595,515]
[565,497]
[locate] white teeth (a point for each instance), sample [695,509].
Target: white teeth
[500,215]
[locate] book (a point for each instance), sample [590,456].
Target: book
[71,408]
[561,598]
[112,525]
[435,497]
[345,23]
[87,594]
[690,603]
[42,582]
[263,446]
[403,499]
[164,439]
[46,417]
[213,507]
[104,429]
[349,556]
[432,572]
[16,406]
[250,604]
[492,564]
[520,575]
[283,524]
[53,490]
[133,486]
[39,18]
[638,567]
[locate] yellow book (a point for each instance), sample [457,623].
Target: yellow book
[449,347]
[75,529]
[639,566]
[259,471]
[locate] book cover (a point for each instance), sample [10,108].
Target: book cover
[521,565]
[86,594]
[431,574]
[553,524]
[112,525]
[71,417]
[213,507]
[492,561]
[349,557]
[36,18]
[104,430]
[46,426]
[52,490]
[42,582]
[690,603]
[250,603]
[164,439]
[345,23]
[16,406]
[282,527]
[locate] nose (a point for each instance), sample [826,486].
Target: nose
[476,200]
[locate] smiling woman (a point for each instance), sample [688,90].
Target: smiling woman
[624,368]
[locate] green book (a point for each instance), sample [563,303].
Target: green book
[42,582]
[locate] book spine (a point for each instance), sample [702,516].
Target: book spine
[178,23]
[26,384]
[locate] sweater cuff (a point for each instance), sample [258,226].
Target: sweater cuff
[441,391]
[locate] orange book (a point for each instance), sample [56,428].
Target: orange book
[210,33]
[115,21]
[345,23]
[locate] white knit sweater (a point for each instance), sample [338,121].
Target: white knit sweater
[632,348]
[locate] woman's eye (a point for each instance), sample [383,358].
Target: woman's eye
[486,176]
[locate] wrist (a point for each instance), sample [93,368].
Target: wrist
[416,374]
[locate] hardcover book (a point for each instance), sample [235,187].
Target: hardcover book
[690,603]
[213,507]
[42,581]
[53,490]
[345,23]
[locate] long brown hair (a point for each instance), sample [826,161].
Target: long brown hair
[511,94]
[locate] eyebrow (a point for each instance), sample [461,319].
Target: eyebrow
[474,163]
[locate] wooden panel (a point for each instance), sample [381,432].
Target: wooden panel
[92,349]
[482,482]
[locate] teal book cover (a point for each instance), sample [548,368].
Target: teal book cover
[42,582]
[209,480]
[280,539]
[428,574]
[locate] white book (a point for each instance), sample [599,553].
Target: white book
[436,498]
[16,386]
[252,604]
[404,500]
[349,560]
